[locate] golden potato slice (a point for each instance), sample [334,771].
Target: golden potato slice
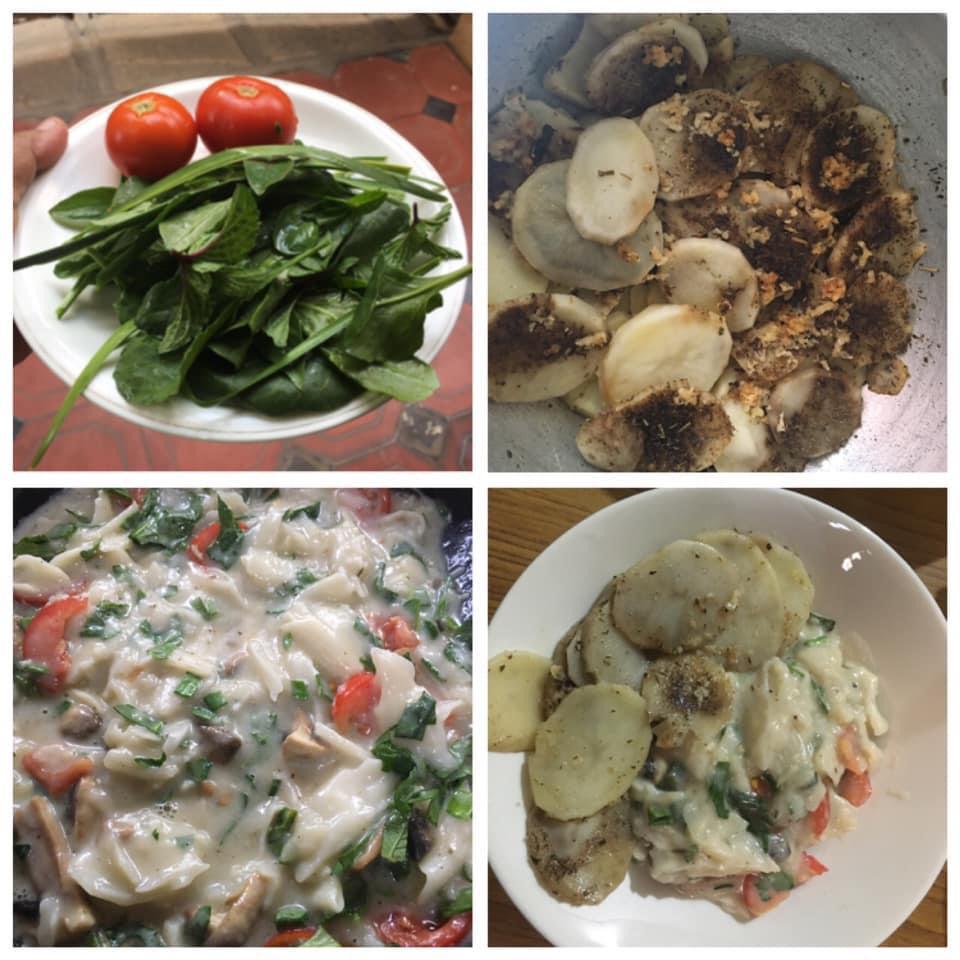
[589,750]
[515,680]
[796,588]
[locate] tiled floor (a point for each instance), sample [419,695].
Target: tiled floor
[426,96]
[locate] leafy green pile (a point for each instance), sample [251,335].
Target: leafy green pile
[279,279]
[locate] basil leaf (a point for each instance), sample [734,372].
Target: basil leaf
[718,787]
[281,826]
[225,550]
[138,718]
[416,717]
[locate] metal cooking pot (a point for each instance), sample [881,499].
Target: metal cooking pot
[896,63]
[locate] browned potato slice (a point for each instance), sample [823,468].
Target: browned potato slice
[589,750]
[878,318]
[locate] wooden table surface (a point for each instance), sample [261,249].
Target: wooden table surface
[522,523]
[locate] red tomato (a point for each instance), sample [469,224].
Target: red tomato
[202,541]
[150,135]
[399,929]
[55,768]
[291,938]
[848,750]
[809,866]
[396,633]
[855,788]
[244,112]
[354,702]
[367,504]
[754,902]
[819,818]
[45,643]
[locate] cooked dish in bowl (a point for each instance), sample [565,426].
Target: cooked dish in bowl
[700,719]
[703,254]
[242,717]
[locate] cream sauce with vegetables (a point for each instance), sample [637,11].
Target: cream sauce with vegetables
[264,727]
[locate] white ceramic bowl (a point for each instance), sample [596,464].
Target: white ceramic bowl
[66,345]
[879,872]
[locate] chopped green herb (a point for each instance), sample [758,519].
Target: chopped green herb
[198,924]
[169,591]
[244,801]
[91,553]
[205,607]
[416,717]
[320,938]
[274,787]
[263,728]
[46,545]
[363,628]
[151,761]
[188,685]
[793,667]
[461,903]
[718,787]
[164,641]
[769,883]
[205,716]
[102,623]
[690,854]
[821,696]
[225,550]
[287,641]
[404,549]
[389,595]
[396,831]
[460,802]
[144,936]
[215,700]
[25,621]
[25,676]
[166,518]
[291,588]
[199,768]
[659,816]
[431,669]
[459,648]
[393,758]
[300,690]
[138,718]
[349,856]
[366,661]
[281,826]
[184,843]
[63,706]
[323,689]
[824,623]
[291,915]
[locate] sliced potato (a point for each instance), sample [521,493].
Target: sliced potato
[587,400]
[542,346]
[608,656]
[663,343]
[755,628]
[772,350]
[888,377]
[796,588]
[750,447]
[814,412]
[713,27]
[689,693]
[546,236]
[613,25]
[645,66]
[883,234]
[732,75]
[849,156]
[699,139]
[713,275]
[611,180]
[568,77]
[584,860]
[558,684]
[515,680]
[676,599]
[878,318]
[589,750]
[671,427]
[574,657]
[509,276]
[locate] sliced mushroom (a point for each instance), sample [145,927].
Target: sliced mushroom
[611,180]
[676,599]
[645,66]
[814,411]
[882,235]
[232,927]
[90,801]
[779,239]
[687,694]
[79,722]
[878,318]
[713,275]
[607,655]
[663,343]
[300,745]
[849,156]
[581,861]
[508,275]
[546,236]
[222,743]
[37,824]
[568,78]
[888,377]
[699,139]
[542,346]
[670,427]
[792,98]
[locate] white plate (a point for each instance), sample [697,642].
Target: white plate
[879,872]
[66,345]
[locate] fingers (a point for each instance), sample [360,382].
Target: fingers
[36,150]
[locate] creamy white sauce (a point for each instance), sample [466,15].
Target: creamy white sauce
[273,635]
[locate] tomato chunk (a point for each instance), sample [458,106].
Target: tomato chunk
[819,819]
[367,504]
[753,899]
[400,929]
[808,867]
[354,702]
[396,633]
[55,767]
[202,541]
[849,752]
[44,640]
[855,788]
[291,938]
